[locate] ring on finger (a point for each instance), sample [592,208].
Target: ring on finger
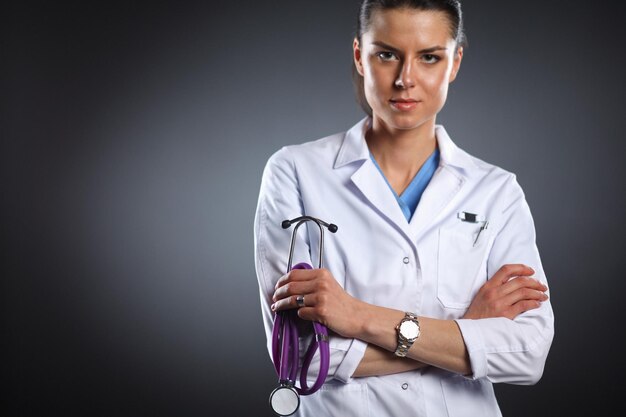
[300,300]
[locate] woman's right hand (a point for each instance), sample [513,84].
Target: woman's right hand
[510,292]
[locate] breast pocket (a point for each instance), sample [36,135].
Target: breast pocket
[461,263]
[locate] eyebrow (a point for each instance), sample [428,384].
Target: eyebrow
[423,51]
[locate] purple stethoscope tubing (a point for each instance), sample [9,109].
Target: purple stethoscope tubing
[285,342]
[286,348]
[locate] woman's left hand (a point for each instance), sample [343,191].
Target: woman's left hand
[325,301]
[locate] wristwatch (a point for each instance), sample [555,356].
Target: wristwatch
[408,331]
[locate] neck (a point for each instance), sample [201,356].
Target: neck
[401,152]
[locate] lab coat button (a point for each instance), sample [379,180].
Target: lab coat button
[405,260]
[405,386]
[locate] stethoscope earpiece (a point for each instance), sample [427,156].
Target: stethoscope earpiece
[332,228]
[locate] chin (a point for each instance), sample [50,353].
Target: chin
[404,120]
[409,122]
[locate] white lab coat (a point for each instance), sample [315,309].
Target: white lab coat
[429,266]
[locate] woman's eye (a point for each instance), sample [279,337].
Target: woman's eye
[430,59]
[386,56]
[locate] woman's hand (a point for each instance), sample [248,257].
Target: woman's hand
[510,292]
[325,301]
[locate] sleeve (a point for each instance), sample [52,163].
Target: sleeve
[503,350]
[280,199]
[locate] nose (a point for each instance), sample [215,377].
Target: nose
[405,77]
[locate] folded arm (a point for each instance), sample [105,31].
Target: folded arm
[441,342]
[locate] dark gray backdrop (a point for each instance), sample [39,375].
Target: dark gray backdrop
[133,141]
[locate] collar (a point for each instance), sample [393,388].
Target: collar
[354,148]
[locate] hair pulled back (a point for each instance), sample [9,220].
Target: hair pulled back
[452,9]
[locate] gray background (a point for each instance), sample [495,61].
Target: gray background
[133,141]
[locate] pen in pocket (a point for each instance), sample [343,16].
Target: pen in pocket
[483,227]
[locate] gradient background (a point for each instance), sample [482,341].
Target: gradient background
[133,142]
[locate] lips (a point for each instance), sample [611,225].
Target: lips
[403,100]
[403,104]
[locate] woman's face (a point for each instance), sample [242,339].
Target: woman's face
[407,58]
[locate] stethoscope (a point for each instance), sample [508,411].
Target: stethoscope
[285,399]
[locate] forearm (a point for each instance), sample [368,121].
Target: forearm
[440,343]
[378,361]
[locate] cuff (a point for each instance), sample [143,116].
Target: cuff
[351,360]
[470,330]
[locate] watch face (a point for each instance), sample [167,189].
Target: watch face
[409,329]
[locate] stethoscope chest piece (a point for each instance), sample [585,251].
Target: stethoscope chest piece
[284,400]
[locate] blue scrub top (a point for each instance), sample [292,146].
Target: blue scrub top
[411,196]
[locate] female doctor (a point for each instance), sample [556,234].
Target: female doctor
[430,238]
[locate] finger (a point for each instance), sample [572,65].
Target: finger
[522,307]
[288,303]
[524,294]
[296,275]
[508,271]
[307,313]
[522,282]
[291,302]
[294,288]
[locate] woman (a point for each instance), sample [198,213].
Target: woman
[431,240]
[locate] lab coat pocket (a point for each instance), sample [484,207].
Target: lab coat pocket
[336,399]
[461,264]
[469,398]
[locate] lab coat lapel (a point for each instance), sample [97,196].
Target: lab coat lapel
[443,187]
[373,186]
[367,179]
[452,174]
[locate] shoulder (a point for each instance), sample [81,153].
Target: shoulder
[315,152]
[487,170]
[492,180]
[323,147]
[503,181]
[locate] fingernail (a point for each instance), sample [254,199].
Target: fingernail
[273,307]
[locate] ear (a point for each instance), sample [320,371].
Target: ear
[356,55]
[456,65]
